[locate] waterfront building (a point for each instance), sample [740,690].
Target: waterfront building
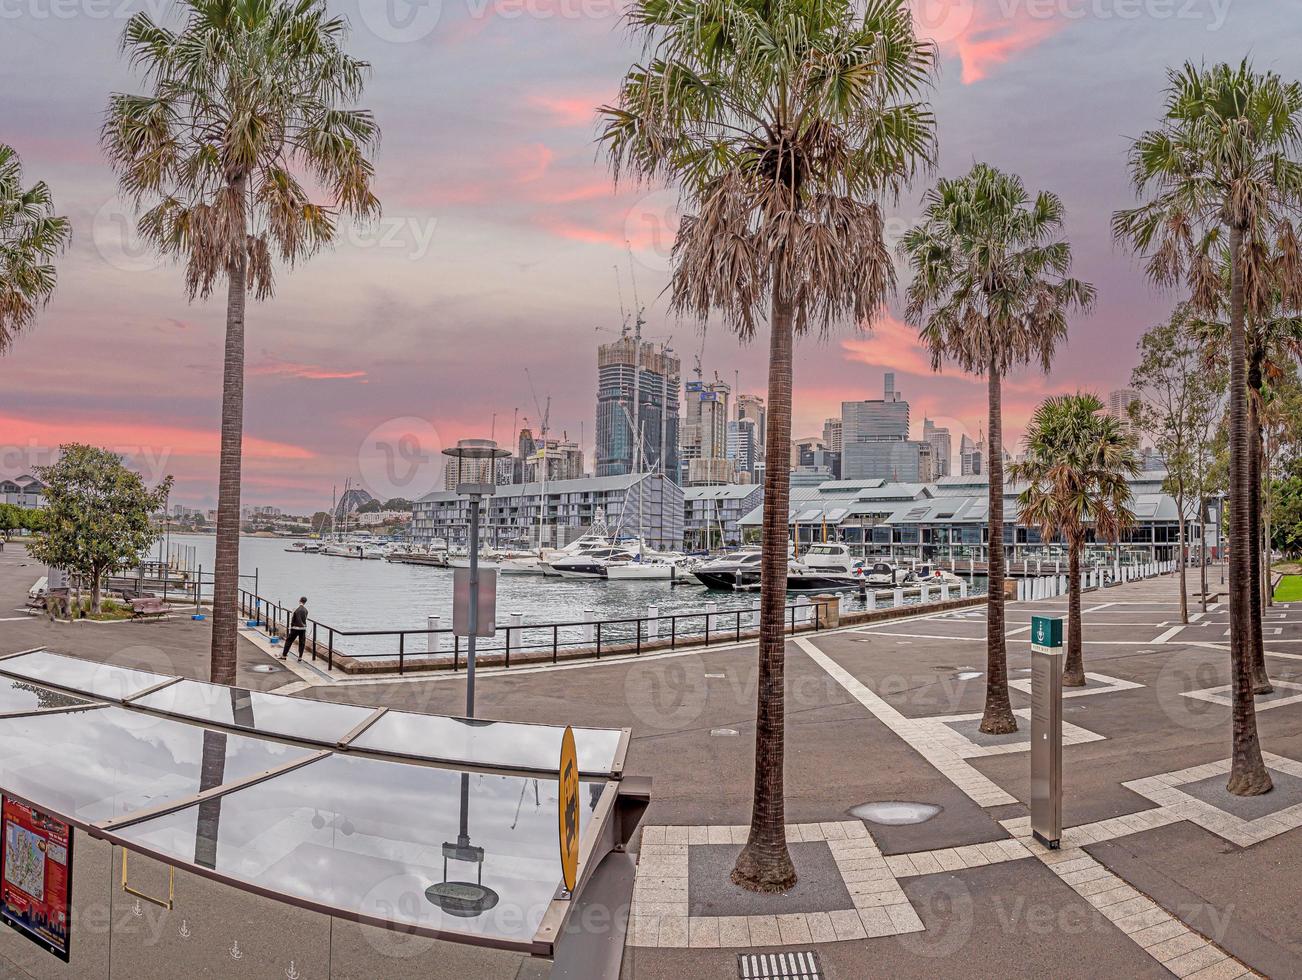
[711,514]
[22,491]
[638,383]
[941,447]
[648,505]
[945,520]
[704,440]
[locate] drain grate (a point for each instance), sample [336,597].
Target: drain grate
[801,964]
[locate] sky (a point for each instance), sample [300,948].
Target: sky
[503,254]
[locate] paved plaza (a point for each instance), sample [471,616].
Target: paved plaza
[1161,872]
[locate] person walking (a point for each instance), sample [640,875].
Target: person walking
[297,629]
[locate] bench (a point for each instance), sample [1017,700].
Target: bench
[151,606]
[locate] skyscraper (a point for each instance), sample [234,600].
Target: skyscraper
[743,447]
[704,442]
[1119,403]
[832,435]
[971,456]
[875,440]
[637,382]
[941,447]
[752,407]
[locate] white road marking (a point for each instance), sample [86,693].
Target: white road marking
[1163,637]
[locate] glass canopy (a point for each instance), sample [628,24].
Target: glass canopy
[108,681]
[496,744]
[272,714]
[16,695]
[103,762]
[415,846]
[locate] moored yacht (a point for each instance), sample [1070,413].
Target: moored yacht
[589,564]
[740,570]
[824,568]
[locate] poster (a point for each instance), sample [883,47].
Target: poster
[35,875]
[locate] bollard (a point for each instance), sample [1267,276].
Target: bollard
[653,623]
[869,599]
[944,592]
[899,597]
[1057,566]
[432,640]
[711,620]
[803,610]
[589,631]
[755,608]
[962,589]
[924,593]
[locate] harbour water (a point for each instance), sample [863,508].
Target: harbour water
[378,595]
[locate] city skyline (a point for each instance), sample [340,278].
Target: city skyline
[509,235]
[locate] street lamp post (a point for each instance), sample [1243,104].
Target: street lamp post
[476,490]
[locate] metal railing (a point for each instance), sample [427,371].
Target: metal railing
[625,635]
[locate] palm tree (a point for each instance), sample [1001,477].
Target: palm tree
[1076,468]
[1222,160]
[249,97]
[31,235]
[783,123]
[991,292]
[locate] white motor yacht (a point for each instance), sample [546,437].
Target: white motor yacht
[589,564]
[739,570]
[824,568]
[884,575]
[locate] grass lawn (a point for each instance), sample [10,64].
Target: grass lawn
[1290,589]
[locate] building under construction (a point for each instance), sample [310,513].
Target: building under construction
[637,390]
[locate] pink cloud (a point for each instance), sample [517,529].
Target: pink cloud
[892,345]
[984,34]
[577,110]
[270,367]
[135,437]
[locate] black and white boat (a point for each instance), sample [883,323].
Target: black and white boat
[884,575]
[824,568]
[589,564]
[730,573]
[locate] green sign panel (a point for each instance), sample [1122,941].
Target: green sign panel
[1046,634]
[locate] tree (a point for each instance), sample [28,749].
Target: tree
[248,97]
[319,521]
[1076,468]
[31,236]
[1223,160]
[783,124]
[991,292]
[370,507]
[97,517]
[1179,399]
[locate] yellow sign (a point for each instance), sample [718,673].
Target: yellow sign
[568,810]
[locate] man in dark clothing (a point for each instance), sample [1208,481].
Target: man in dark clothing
[297,629]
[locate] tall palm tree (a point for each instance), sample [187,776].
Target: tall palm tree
[31,236]
[783,123]
[1223,160]
[991,292]
[1075,470]
[247,99]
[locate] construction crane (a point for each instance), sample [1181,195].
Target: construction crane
[546,415]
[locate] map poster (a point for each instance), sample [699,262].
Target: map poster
[36,875]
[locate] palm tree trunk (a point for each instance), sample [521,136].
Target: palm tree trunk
[1248,775]
[1268,537]
[1073,671]
[764,864]
[997,719]
[226,573]
[1260,680]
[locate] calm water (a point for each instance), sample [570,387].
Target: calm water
[351,594]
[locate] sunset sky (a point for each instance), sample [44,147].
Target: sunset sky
[502,232]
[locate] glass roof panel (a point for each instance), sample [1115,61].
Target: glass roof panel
[477,742]
[108,761]
[86,676]
[274,714]
[18,695]
[420,846]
